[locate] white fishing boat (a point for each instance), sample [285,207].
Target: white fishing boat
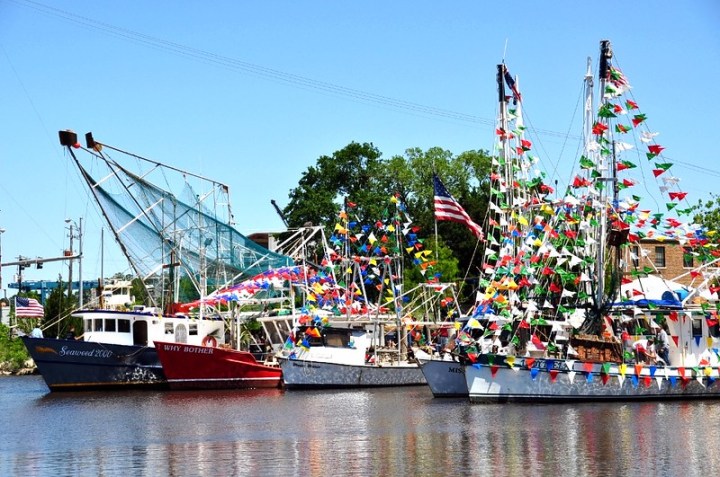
[554,324]
[356,332]
[345,358]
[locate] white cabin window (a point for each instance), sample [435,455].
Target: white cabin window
[193,329]
[169,328]
[98,324]
[124,326]
[110,324]
[88,325]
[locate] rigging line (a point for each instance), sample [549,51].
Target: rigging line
[246,66]
[19,205]
[257,70]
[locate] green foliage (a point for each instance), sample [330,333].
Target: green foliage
[358,173]
[58,308]
[12,351]
[352,173]
[707,214]
[138,290]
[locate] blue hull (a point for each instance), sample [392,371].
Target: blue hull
[69,365]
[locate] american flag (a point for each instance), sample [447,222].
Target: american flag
[28,308]
[511,83]
[447,208]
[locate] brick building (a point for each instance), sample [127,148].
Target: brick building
[669,258]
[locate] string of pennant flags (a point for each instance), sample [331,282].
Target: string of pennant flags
[540,252]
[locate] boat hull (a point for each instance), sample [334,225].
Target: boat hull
[524,382]
[70,365]
[446,378]
[299,373]
[200,367]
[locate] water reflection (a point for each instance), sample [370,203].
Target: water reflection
[361,432]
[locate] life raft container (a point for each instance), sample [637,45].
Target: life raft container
[210,341]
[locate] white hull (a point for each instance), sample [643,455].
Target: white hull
[587,382]
[299,373]
[446,378]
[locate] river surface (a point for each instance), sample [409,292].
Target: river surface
[380,432]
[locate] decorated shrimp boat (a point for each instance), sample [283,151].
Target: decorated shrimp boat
[363,328]
[566,310]
[181,245]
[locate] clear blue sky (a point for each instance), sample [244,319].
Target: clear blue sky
[252,93]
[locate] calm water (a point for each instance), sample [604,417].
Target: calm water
[366,432]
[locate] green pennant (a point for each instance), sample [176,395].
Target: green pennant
[621,128]
[586,163]
[670,205]
[663,165]
[606,111]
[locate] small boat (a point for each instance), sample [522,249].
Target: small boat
[202,367]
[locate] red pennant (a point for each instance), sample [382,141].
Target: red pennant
[675,339]
[605,378]
[493,369]
[529,362]
[648,381]
[553,375]
[588,367]
[656,149]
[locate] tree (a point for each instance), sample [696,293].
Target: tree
[707,214]
[358,174]
[352,172]
[58,309]
[139,292]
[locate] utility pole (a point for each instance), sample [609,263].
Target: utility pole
[80,252]
[70,262]
[79,257]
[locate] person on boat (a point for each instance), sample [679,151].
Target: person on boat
[70,335]
[644,351]
[627,344]
[663,344]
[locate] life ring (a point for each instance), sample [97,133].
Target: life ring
[210,341]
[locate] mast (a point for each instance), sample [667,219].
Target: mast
[607,178]
[507,163]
